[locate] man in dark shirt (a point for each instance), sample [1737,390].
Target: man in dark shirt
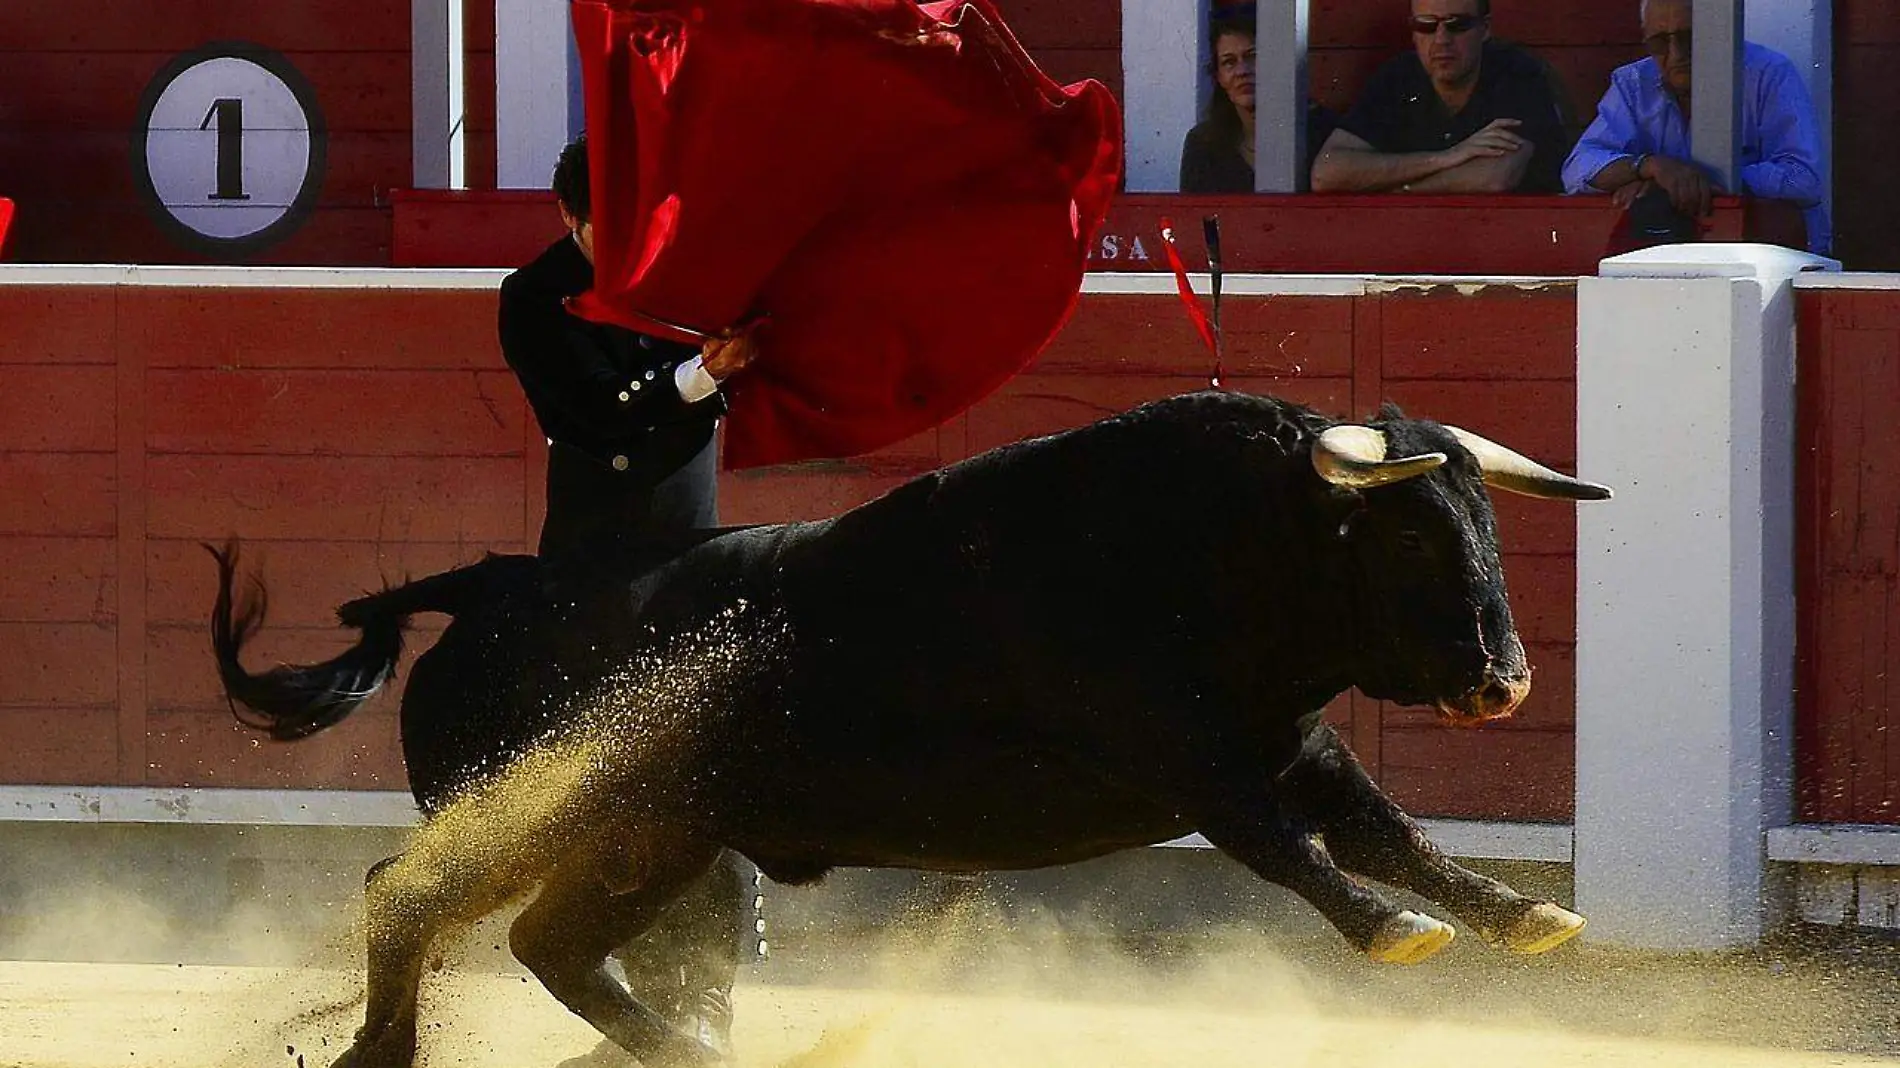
[1460,113]
[632,465]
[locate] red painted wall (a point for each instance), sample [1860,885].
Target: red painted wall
[353,436]
[1847,697]
[1866,155]
[1304,234]
[71,72]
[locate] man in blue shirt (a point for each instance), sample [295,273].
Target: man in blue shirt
[1639,141]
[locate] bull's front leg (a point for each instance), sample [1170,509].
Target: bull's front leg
[1328,790]
[1257,832]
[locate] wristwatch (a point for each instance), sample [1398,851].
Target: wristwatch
[1636,163]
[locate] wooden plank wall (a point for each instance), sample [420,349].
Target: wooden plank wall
[348,437]
[1847,685]
[1502,362]
[72,71]
[353,436]
[1866,156]
[1071,39]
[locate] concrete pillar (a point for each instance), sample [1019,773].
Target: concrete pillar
[532,94]
[436,89]
[1715,121]
[1164,55]
[1685,598]
[1280,97]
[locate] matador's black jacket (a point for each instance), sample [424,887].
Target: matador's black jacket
[605,398]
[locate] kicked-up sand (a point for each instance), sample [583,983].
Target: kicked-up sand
[964,994]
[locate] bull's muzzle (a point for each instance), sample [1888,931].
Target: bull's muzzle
[1495,698]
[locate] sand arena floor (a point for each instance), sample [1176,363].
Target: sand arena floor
[989,998]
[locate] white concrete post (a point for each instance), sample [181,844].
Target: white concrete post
[1715,128]
[1280,97]
[1164,51]
[532,97]
[1685,593]
[436,84]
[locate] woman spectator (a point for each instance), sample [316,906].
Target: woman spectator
[1217,155]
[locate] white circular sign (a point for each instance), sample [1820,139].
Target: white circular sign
[232,146]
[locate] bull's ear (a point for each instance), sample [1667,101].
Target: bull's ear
[1354,457]
[1514,472]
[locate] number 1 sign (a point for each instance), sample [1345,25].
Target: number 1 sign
[228,149]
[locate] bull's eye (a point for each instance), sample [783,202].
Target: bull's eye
[1410,543]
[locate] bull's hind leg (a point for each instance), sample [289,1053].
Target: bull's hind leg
[1365,832]
[1257,832]
[578,919]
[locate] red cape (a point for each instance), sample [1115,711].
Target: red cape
[895,187]
[6,220]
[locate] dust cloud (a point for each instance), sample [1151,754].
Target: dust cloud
[986,981]
[972,973]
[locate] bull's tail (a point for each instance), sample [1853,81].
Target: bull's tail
[294,701]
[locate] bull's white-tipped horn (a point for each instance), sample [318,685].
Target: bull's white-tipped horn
[1514,472]
[1354,457]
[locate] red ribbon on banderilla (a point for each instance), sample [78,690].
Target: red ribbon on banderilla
[1210,332]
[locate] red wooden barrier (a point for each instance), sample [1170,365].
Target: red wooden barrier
[356,435]
[1866,214]
[1393,235]
[1847,696]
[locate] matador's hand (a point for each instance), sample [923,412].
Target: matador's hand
[726,354]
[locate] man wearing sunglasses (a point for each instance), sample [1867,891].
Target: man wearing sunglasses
[1637,148]
[1460,113]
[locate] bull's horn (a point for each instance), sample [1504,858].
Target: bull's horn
[1514,472]
[1354,457]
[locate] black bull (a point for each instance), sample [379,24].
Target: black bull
[1106,638]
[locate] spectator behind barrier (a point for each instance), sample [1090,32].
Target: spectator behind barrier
[1637,148]
[1217,156]
[1460,113]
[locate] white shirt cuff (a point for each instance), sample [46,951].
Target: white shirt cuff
[694,383]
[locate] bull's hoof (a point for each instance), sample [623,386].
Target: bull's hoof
[686,1055]
[1541,929]
[1409,938]
[603,1055]
[357,1057]
[380,1050]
